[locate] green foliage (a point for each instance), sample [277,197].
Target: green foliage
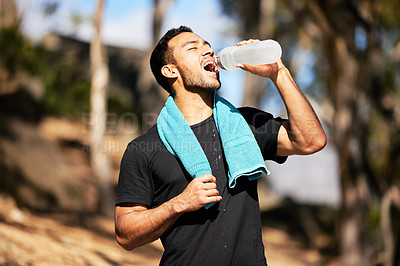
[373,222]
[69,99]
[388,11]
[117,105]
[67,90]
[379,143]
[18,54]
[65,78]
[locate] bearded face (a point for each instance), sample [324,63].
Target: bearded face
[195,61]
[197,80]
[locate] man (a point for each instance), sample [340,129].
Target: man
[201,219]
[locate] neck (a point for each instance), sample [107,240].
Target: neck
[195,107]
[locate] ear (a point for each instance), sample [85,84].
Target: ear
[169,71]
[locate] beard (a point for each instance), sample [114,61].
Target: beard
[196,83]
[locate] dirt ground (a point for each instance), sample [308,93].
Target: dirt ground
[28,239]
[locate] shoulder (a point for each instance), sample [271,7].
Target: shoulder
[258,118]
[147,143]
[150,135]
[249,112]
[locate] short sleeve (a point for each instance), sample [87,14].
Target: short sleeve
[265,128]
[135,184]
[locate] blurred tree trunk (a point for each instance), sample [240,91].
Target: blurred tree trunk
[159,9]
[152,96]
[356,87]
[391,197]
[348,136]
[8,14]
[258,18]
[349,129]
[98,107]
[9,20]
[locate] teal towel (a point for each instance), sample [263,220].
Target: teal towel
[241,150]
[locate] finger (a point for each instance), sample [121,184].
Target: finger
[246,67]
[209,186]
[248,41]
[211,193]
[206,178]
[244,42]
[212,199]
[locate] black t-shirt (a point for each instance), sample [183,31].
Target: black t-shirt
[229,232]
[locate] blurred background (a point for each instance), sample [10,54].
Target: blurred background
[76,87]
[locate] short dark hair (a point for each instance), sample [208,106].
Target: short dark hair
[162,55]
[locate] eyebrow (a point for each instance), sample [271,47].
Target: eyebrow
[195,42]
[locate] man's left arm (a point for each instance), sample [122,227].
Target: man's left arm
[303,133]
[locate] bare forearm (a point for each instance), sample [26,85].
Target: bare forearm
[137,228]
[304,128]
[303,134]
[137,225]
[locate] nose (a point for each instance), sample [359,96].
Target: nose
[208,51]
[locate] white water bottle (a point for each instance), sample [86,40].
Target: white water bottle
[258,53]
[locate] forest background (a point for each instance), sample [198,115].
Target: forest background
[73,95]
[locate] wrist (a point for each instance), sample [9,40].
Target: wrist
[177,206]
[280,75]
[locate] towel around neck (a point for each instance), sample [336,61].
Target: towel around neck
[240,147]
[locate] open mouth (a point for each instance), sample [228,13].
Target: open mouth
[211,66]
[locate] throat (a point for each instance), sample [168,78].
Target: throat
[194,110]
[197,118]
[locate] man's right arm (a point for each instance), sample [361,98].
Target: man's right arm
[137,225]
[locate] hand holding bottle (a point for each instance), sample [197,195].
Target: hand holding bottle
[269,70]
[258,57]
[250,52]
